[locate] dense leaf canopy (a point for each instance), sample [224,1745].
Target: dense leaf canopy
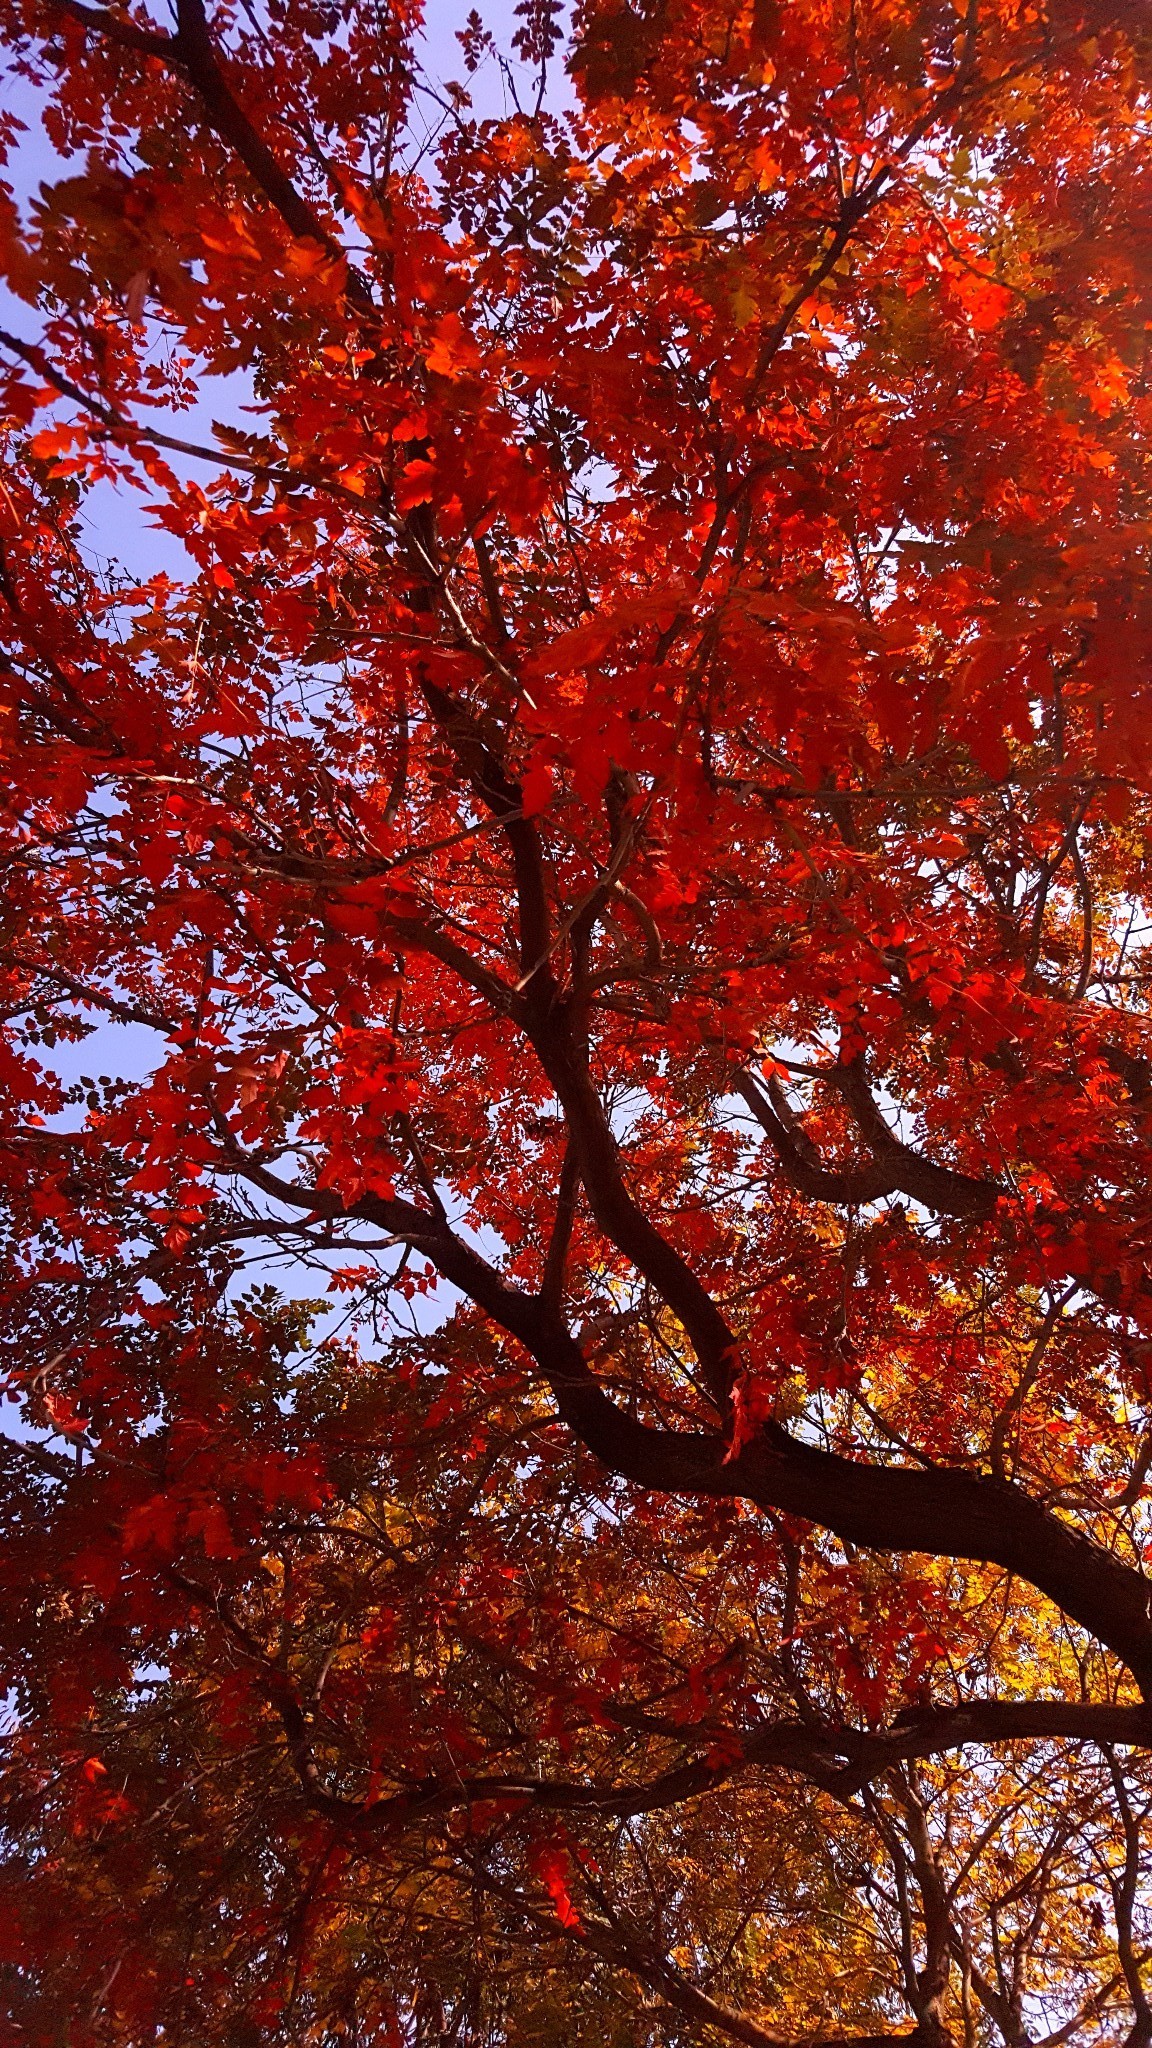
[577,1092]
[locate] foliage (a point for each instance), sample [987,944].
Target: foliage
[585,1412]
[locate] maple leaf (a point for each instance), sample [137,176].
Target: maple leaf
[551,1864]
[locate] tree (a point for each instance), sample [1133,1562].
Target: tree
[586,1409]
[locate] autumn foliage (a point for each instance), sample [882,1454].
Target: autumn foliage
[577,1093]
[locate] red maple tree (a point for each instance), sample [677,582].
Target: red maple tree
[586,1407]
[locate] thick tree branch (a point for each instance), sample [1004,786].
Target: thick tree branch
[799,1157]
[942,1188]
[937,1511]
[893,1168]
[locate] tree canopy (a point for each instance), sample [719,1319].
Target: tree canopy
[582,1383]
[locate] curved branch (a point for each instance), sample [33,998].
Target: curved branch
[893,1168]
[799,1158]
[942,1188]
[564,1060]
[937,1511]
